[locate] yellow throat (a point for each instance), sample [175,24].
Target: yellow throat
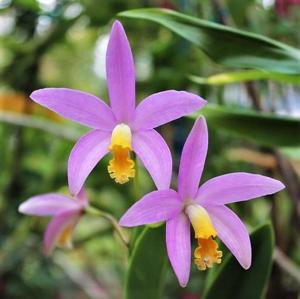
[206,254]
[121,166]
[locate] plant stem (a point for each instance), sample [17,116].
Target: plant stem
[96,212]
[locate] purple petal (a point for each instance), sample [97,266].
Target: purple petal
[84,156]
[120,74]
[232,233]
[153,207]
[47,205]
[153,151]
[82,198]
[165,106]
[179,247]
[193,159]
[56,226]
[76,105]
[234,187]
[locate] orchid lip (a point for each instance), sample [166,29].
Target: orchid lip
[121,166]
[122,136]
[201,221]
[206,254]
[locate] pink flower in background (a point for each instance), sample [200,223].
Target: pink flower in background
[121,128]
[65,212]
[168,4]
[282,6]
[189,296]
[202,207]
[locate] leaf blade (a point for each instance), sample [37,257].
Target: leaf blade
[260,128]
[225,45]
[147,265]
[242,76]
[245,284]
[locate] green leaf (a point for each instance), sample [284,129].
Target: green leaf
[225,45]
[147,264]
[29,4]
[291,152]
[261,128]
[232,281]
[242,76]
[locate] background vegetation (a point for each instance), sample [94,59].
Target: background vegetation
[251,84]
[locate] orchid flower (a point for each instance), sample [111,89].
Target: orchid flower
[121,128]
[204,208]
[66,212]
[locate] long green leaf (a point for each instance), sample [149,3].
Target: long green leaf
[147,263]
[242,76]
[260,128]
[232,281]
[291,152]
[225,45]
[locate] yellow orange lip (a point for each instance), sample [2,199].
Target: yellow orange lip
[121,166]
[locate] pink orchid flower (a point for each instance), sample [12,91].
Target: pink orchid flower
[65,212]
[203,207]
[282,7]
[121,128]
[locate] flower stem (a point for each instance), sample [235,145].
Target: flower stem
[96,212]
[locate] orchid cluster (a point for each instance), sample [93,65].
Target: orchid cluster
[123,128]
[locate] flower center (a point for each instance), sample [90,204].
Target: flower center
[121,166]
[207,253]
[65,238]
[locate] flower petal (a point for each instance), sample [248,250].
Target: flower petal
[84,156]
[120,74]
[153,151]
[82,198]
[234,187]
[76,105]
[193,159]
[232,232]
[56,226]
[179,247]
[47,205]
[154,207]
[165,106]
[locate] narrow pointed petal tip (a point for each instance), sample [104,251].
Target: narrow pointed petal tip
[233,233]
[120,74]
[47,205]
[117,25]
[179,247]
[192,159]
[280,185]
[235,187]
[247,265]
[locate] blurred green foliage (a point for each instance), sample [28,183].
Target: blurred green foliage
[149,253]
[62,43]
